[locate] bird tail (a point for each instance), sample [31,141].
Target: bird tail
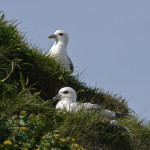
[119,115]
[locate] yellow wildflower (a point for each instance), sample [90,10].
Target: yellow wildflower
[7,142]
[73,140]
[49,133]
[37,149]
[76,145]
[16,145]
[15,131]
[62,140]
[47,144]
[24,128]
[15,116]
[40,115]
[56,131]
[23,112]
[26,144]
[80,91]
[25,149]
[1,146]
[56,136]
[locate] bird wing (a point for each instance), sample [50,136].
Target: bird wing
[79,106]
[105,112]
[113,115]
[108,113]
[71,64]
[89,106]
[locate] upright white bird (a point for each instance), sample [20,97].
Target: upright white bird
[59,50]
[68,100]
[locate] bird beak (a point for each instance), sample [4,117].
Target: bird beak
[56,98]
[52,36]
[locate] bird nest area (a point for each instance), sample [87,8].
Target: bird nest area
[29,80]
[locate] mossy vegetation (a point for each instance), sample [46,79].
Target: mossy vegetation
[29,80]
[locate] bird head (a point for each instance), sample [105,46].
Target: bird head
[60,36]
[67,93]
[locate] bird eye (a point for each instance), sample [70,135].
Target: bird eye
[60,34]
[65,92]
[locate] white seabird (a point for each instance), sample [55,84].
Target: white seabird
[59,50]
[68,100]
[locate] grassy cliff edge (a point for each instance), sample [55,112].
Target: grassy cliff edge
[29,80]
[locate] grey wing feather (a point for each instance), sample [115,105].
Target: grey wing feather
[89,106]
[71,64]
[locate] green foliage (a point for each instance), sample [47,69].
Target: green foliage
[24,132]
[52,140]
[29,80]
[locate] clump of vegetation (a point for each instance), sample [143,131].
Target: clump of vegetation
[24,132]
[29,80]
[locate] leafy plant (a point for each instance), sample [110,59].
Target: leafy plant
[53,140]
[25,131]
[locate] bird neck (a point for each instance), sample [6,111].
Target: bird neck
[59,48]
[63,102]
[66,100]
[61,44]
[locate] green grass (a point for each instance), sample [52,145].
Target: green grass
[29,80]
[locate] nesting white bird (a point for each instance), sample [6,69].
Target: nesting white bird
[68,100]
[59,50]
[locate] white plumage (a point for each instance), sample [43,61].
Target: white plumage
[68,100]
[59,50]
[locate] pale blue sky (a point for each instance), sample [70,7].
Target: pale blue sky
[109,41]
